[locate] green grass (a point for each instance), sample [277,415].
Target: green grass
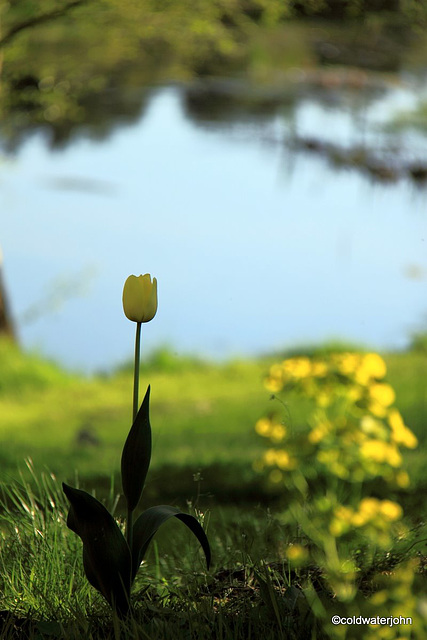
[204,444]
[202,417]
[44,589]
[250,592]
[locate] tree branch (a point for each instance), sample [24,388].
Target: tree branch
[37,20]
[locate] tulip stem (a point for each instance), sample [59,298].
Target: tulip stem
[129,521]
[136,370]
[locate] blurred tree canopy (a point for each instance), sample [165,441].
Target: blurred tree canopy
[58,56]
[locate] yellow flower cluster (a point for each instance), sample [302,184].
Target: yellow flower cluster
[382,452]
[350,375]
[364,367]
[280,458]
[270,428]
[355,433]
[293,370]
[354,436]
[370,511]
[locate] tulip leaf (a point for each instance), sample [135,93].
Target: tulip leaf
[149,522]
[106,555]
[136,455]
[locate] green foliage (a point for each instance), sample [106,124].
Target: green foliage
[324,349]
[419,342]
[59,57]
[164,360]
[110,561]
[106,555]
[136,455]
[27,372]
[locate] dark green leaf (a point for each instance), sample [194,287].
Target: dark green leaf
[106,555]
[147,525]
[136,455]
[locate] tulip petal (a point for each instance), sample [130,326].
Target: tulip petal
[136,455]
[149,522]
[140,298]
[106,555]
[152,304]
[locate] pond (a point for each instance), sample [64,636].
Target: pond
[258,239]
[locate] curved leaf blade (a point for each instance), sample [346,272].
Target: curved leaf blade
[106,554]
[149,522]
[136,455]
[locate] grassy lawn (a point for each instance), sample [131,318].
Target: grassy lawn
[202,416]
[204,447]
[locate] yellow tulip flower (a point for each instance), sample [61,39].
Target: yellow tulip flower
[140,298]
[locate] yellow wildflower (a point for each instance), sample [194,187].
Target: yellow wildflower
[371,366]
[348,363]
[297,367]
[391,510]
[338,527]
[362,376]
[400,432]
[402,479]
[284,460]
[377,409]
[359,519]
[344,513]
[380,451]
[319,369]
[368,509]
[297,554]
[319,432]
[374,450]
[374,365]
[382,393]
[273,384]
[278,432]
[395,420]
[393,456]
[263,427]
[369,506]
[270,457]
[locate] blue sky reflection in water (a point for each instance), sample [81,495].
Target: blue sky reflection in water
[254,248]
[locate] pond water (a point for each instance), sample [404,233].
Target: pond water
[256,246]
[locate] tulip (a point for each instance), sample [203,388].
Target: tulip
[139,305]
[140,298]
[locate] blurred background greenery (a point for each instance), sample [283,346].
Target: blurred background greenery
[58,59]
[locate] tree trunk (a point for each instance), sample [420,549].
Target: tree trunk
[7,327]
